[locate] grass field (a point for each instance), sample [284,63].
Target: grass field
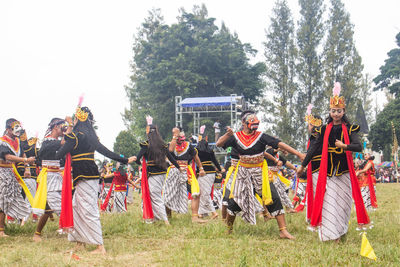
[130,242]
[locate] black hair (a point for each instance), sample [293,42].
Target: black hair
[203,146]
[54,122]
[9,122]
[86,127]
[157,147]
[344,119]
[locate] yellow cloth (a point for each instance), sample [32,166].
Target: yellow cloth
[39,203]
[194,185]
[23,185]
[195,188]
[266,190]
[366,248]
[284,180]
[234,180]
[228,176]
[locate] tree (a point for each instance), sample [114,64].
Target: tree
[309,67]
[390,72]
[341,62]
[126,144]
[380,134]
[280,53]
[191,58]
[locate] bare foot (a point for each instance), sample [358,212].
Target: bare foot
[99,250]
[196,219]
[36,238]
[292,211]
[167,223]
[285,234]
[78,246]
[267,217]
[214,216]
[2,234]
[23,222]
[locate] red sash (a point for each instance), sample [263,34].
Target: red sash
[371,187]
[103,206]
[147,208]
[309,189]
[362,216]
[66,217]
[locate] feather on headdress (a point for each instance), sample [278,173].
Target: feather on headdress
[337,101]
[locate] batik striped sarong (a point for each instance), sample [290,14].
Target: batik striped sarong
[366,195]
[206,182]
[301,190]
[87,226]
[174,192]
[157,203]
[248,181]
[281,189]
[11,201]
[119,201]
[54,187]
[336,207]
[31,184]
[217,197]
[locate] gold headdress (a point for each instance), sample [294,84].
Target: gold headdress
[337,101]
[81,115]
[310,117]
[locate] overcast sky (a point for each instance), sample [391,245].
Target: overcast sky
[52,51]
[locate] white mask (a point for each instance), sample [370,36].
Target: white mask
[17,130]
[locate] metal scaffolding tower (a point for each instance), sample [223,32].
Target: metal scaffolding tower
[200,107]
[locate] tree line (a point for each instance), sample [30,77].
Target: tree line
[194,57]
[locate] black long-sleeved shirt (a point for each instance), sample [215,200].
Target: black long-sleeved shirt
[336,156]
[256,146]
[153,169]
[82,154]
[207,158]
[48,150]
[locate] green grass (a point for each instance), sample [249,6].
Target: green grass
[130,242]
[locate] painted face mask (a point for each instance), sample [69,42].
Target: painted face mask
[252,122]
[16,129]
[181,138]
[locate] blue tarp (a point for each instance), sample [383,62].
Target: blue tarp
[207,101]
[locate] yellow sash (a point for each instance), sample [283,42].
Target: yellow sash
[227,177]
[39,203]
[22,184]
[266,190]
[194,185]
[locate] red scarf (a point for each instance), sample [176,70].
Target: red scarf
[309,189]
[147,208]
[12,142]
[103,206]
[362,216]
[66,217]
[247,139]
[181,147]
[371,187]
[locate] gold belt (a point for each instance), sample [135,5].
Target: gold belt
[6,165]
[250,165]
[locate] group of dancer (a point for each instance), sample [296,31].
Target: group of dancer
[172,171]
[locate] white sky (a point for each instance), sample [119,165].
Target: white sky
[52,51]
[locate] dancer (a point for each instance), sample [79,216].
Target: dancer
[178,184]
[81,141]
[155,151]
[314,122]
[119,181]
[251,174]
[48,199]
[366,175]
[207,158]
[281,183]
[337,182]
[11,200]
[232,164]
[106,178]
